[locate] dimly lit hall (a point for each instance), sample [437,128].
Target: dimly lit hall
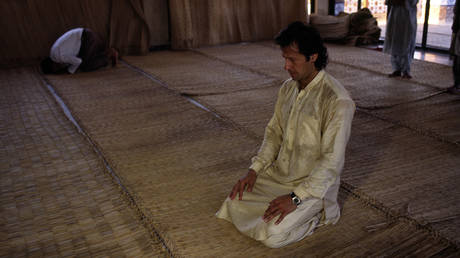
[135,160]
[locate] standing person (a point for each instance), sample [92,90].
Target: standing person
[455,49]
[79,48]
[292,185]
[400,35]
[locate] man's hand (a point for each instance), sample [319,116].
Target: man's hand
[246,181]
[281,205]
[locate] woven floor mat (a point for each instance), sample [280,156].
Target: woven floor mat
[425,73]
[413,174]
[374,91]
[191,73]
[250,110]
[178,162]
[437,115]
[380,156]
[369,88]
[265,60]
[56,200]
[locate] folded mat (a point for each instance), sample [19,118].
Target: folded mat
[178,163]
[56,198]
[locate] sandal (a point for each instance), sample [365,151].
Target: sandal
[395,74]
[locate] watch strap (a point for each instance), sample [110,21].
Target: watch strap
[295,199]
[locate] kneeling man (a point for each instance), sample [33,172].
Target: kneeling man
[292,185]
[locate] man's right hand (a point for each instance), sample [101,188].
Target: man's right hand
[247,181]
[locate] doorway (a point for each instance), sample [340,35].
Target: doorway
[434,19]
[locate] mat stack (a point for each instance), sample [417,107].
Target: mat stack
[177,161]
[56,199]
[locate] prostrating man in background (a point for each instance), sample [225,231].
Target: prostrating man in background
[292,185]
[400,35]
[79,48]
[455,49]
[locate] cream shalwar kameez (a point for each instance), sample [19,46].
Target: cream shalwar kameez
[303,151]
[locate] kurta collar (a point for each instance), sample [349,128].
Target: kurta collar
[313,82]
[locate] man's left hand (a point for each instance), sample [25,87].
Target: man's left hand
[281,205]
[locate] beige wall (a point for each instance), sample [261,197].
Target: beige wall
[196,23]
[29,27]
[157,18]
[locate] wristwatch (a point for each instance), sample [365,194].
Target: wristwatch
[295,199]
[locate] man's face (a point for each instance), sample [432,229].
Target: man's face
[297,65]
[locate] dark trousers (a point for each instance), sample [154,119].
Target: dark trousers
[93,51]
[456,70]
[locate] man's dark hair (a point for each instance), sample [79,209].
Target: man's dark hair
[307,39]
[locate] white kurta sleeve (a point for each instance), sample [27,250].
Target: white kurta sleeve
[66,48]
[272,140]
[333,143]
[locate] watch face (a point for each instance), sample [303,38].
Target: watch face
[295,199]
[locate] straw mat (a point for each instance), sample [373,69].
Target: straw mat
[381,155]
[248,66]
[410,173]
[439,116]
[56,199]
[265,60]
[424,73]
[368,88]
[371,90]
[250,110]
[411,149]
[178,163]
[191,73]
